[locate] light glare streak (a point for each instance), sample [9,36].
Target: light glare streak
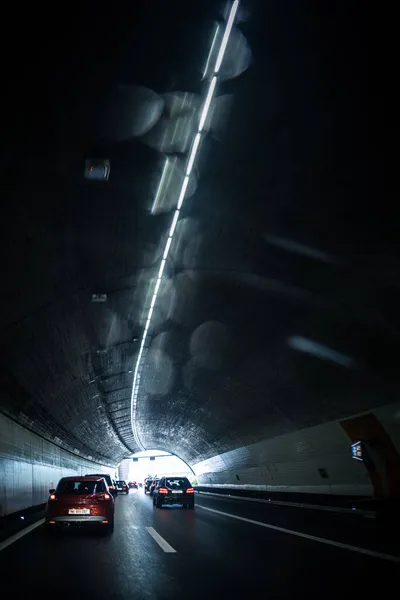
[160,186]
[321,351]
[211,50]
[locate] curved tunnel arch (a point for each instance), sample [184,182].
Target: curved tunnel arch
[273,415]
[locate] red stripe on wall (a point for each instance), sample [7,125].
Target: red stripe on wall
[367,427]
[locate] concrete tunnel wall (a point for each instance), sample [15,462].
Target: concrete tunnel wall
[30,466]
[315,460]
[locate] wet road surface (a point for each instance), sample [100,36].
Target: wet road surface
[229,548]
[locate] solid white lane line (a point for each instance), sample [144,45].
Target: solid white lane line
[306,536]
[359,512]
[160,540]
[20,534]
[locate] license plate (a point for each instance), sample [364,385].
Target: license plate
[79,511]
[177,492]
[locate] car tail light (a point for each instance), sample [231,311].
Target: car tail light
[162,491]
[104,497]
[52,522]
[190,491]
[52,497]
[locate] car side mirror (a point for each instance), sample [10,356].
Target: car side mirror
[52,491]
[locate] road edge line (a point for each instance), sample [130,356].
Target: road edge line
[17,536]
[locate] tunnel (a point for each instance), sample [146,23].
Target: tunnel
[220,281]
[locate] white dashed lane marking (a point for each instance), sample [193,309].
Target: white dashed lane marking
[160,540]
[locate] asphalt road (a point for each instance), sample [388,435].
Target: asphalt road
[204,554]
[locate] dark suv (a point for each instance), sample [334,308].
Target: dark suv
[174,490]
[109,481]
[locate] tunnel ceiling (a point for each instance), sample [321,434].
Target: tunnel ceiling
[279,305]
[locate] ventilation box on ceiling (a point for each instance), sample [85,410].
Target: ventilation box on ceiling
[99,297]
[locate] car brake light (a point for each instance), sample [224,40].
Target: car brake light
[162,491]
[52,497]
[190,491]
[104,496]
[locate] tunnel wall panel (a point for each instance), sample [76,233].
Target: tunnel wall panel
[293,462]
[29,466]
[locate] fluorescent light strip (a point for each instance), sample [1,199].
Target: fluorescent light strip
[157,287]
[183,192]
[161,270]
[227,33]
[193,153]
[207,103]
[167,247]
[185,183]
[174,222]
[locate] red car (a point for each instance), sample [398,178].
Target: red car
[80,501]
[133,485]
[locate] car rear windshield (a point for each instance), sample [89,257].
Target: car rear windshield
[177,483]
[106,477]
[121,483]
[80,487]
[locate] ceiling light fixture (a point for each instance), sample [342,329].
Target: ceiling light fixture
[189,167]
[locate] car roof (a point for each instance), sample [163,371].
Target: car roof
[83,478]
[98,475]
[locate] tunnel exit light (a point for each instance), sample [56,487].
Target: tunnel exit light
[195,146]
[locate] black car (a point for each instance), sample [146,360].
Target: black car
[174,490]
[147,485]
[110,482]
[122,487]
